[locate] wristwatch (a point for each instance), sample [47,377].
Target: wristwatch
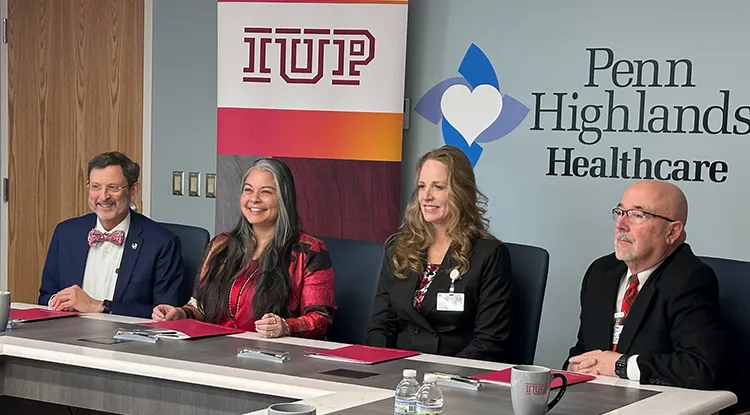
[107,307]
[621,366]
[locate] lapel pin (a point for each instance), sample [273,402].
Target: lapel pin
[135,245]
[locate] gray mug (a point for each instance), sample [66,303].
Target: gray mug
[291,409]
[529,389]
[4,309]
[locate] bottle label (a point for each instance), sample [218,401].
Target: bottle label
[429,409]
[403,407]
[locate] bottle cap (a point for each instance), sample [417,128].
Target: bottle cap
[410,373]
[430,377]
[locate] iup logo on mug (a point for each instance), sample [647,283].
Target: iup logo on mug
[537,388]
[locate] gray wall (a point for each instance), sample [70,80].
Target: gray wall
[183,107]
[537,48]
[534,46]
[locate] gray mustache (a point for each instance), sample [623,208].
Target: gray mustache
[621,236]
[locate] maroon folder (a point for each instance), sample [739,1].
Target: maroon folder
[503,377]
[362,354]
[38,314]
[188,329]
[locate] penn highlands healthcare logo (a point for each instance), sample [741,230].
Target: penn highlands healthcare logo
[470,107]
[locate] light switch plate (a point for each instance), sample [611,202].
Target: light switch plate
[178,180]
[211,185]
[194,184]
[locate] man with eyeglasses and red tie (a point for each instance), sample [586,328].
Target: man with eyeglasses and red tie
[650,311]
[113,260]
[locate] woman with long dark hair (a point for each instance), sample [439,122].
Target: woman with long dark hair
[266,275]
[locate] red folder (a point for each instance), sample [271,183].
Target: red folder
[189,329]
[362,354]
[503,377]
[38,314]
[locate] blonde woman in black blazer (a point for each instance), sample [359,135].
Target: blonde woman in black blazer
[444,241]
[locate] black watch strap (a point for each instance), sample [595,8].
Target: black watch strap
[107,307]
[621,366]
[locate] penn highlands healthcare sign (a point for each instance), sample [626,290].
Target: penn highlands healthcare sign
[620,83]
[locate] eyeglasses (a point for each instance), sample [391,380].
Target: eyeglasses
[637,215]
[111,188]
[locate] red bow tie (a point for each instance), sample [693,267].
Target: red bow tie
[96,237]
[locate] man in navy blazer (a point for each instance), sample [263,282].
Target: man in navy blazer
[113,260]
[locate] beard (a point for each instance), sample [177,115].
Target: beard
[114,208]
[627,253]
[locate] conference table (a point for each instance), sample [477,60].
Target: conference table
[54,361]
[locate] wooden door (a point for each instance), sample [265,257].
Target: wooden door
[75,74]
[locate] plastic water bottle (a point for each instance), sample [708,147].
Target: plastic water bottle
[429,397]
[406,394]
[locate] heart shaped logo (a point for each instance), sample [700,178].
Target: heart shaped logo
[471,111]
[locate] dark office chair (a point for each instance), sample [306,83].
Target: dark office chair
[356,266]
[530,267]
[734,289]
[194,241]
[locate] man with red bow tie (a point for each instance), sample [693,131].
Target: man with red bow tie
[113,260]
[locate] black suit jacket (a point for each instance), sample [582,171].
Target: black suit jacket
[481,331]
[674,325]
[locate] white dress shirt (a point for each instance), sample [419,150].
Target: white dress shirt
[634,372]
[103,264]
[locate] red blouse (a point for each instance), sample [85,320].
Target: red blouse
[241,298]
[312,301]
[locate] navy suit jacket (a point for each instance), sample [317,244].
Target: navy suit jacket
[150,272]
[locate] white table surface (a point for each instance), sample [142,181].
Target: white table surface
[326,396]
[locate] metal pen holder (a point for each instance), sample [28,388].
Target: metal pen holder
[277,356]
[138,336]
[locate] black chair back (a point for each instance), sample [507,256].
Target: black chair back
[734,289]
[194,241]
[356,266]
[530,268]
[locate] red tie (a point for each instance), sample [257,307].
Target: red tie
[630,294]
[96,237]
[627,300]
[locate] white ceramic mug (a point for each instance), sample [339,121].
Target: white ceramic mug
[4,309]
[291,409]
[529,389]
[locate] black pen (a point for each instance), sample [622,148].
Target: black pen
[447,376]
[460,382]
[271,354]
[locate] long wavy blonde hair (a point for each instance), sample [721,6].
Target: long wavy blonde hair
[466,220]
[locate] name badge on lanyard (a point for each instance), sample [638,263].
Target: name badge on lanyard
[451,301]
[619,324]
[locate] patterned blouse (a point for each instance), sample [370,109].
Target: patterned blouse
[312,302]
[424,284]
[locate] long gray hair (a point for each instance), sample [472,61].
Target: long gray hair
[273,285]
